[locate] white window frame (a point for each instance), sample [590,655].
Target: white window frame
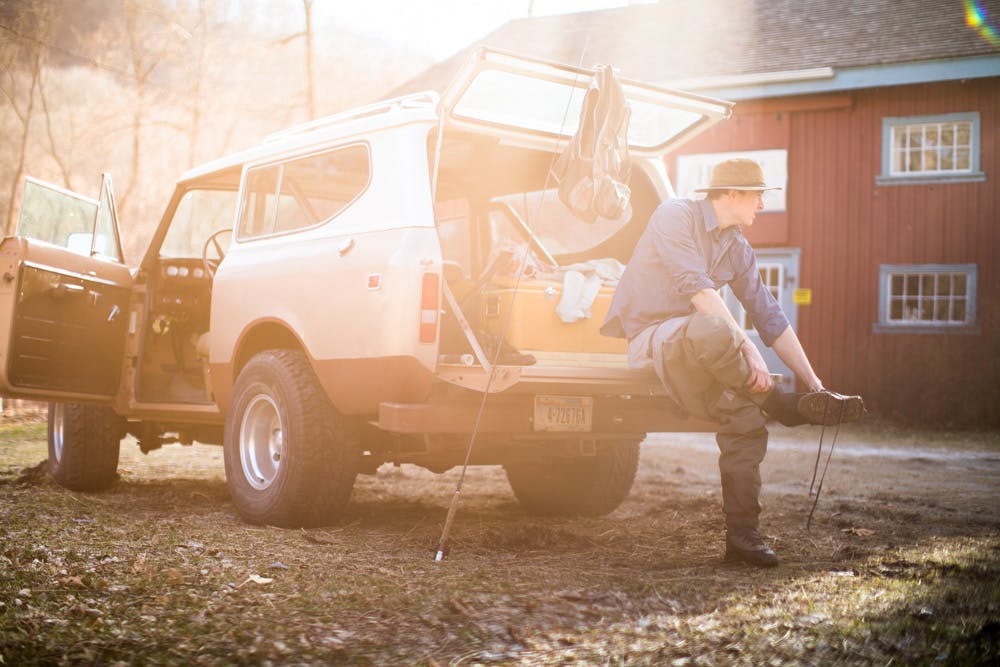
[890,176]
[887,324]
[764,267]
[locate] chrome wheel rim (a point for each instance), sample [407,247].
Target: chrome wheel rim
[261,442]
[57,431]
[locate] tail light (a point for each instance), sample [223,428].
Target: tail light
[430,306]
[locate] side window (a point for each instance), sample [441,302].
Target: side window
[922,149]
[926,298]
[106,242]
[304,192]
[259,200]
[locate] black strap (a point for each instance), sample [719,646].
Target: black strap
[819,451]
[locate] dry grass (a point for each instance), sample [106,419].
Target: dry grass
[902,566]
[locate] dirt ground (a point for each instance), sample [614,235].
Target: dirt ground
[901,564]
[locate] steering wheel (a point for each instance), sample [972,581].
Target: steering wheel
[212,263]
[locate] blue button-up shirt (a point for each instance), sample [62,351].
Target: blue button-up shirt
[683,251]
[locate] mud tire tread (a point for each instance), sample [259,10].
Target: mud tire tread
[582,486]
[314,482]
[91,443]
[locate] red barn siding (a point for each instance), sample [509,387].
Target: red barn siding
[847,225]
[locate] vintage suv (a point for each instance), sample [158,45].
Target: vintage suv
[351,293]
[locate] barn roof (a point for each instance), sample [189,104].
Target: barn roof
[752,48]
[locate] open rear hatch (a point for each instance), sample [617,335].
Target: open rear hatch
[512,115]
[538,103]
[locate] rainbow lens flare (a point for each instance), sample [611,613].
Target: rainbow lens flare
[977,18]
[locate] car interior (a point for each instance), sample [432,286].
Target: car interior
[503,230]
[178,292]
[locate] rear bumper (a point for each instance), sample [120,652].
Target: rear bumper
[515,415]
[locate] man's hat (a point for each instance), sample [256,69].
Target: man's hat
[737,174]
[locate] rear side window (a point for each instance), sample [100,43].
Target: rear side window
[304,192]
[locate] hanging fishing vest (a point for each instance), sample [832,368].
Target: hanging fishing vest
[593,170]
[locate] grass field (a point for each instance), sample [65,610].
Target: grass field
[901,565]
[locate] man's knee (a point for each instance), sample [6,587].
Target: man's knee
[711,338]
[739,417]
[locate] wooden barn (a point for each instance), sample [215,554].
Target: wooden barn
[880,119]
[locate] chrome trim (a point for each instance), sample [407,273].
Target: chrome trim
[71,274]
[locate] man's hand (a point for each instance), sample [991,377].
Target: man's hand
[759,380]
[709,302]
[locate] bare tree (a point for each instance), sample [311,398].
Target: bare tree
[24,116]
[147,49]
[198,79]
[310,78]
[53,148]
[307,36]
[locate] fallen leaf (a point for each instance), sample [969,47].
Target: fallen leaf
[76,582]
[309,537]
[173,575]
[257,579]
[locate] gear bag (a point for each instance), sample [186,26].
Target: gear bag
[593,170]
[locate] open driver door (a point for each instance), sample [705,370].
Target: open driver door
[64,297]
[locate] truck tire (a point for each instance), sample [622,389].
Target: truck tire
[290,460]
[580,486]
[84,441]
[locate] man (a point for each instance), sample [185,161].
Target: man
[668,306]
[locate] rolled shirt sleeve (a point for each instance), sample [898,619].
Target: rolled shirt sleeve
[764,310]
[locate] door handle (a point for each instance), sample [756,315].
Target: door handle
[64,290]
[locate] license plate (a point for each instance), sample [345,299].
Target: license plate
[564,413]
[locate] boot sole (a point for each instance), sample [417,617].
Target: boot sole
[828,408]
[734,555]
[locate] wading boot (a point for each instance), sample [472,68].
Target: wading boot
[828,407]
[746,545]
[817,407]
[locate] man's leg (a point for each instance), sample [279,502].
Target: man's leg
[707,372]
[711,343]
[742,440]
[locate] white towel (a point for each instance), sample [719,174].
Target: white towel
[578,294]
[609,270]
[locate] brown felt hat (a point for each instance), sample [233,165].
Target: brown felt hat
[737,174]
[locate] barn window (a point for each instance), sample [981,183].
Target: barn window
[924,149]
[927,298]
[773,275]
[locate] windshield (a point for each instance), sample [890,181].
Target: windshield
[561,232]
[199,214]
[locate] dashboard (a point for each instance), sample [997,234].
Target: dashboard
[182,286]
